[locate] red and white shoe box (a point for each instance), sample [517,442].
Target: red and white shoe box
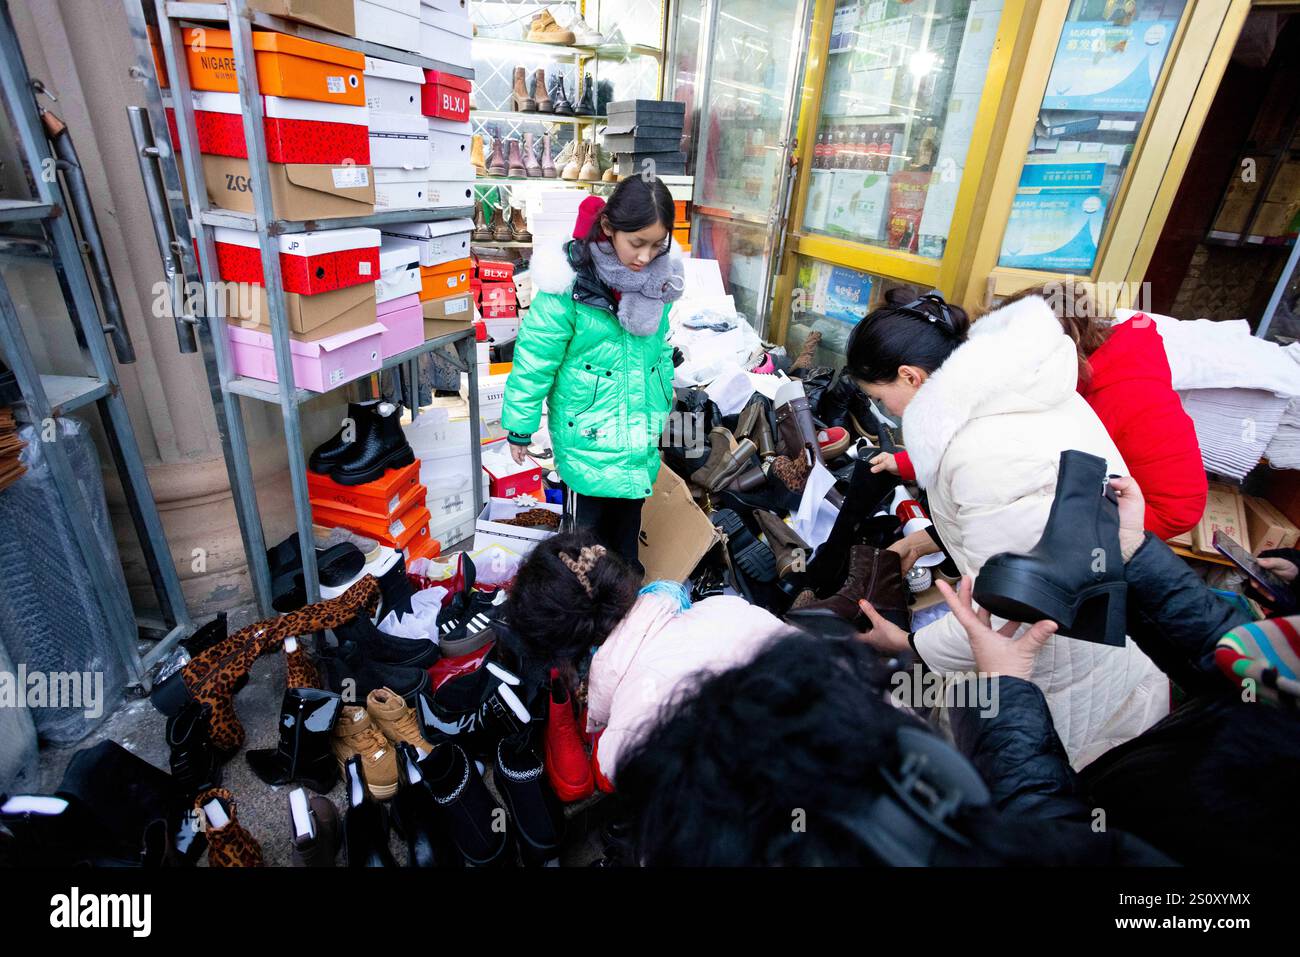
[310,263]
[297,131]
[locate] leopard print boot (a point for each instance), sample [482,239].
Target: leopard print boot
[212,676]
[229,844]
[299,669]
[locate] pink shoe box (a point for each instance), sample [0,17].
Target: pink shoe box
[403,322]
[318,366]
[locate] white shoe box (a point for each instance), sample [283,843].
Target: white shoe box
[402,189]
[445,35]
[392,23]
[393,87]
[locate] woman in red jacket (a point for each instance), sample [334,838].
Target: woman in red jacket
[1124,376]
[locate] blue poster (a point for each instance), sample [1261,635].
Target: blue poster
[1108,68]
[1056,231]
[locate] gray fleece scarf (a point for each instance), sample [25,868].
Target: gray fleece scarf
[643,294]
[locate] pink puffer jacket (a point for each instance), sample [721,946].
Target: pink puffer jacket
[656,655]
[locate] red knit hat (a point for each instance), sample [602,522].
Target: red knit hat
[588,215]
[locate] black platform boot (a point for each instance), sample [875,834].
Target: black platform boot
[195,763]
[518,777]
[380,445]
[307,719]
[476,822]
[365,826]
[1075,574]
[336,448]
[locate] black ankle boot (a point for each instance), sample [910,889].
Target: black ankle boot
[518,777]
[307,719]
[382,648]
[380,445]
[476,822]
[1075,574]
[418,818]
[336,448]
[195,763]
[349,669]
[477,709]
[365,826]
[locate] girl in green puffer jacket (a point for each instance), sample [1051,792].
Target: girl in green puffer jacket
[594,347]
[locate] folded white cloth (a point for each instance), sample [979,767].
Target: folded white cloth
[1233,426]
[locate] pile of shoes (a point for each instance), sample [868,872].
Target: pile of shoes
[514,157]
[749,474]
[495,223]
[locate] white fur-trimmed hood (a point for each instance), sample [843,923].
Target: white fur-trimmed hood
[550,269]
[1017,359]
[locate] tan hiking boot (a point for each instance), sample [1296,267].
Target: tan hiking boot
[590,172]
[575,164]
[357,734]
[476,155]
[544,29]
[397,721]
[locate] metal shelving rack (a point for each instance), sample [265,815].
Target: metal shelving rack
[194,226]
[48,397]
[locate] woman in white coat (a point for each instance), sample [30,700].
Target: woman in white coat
[986,412]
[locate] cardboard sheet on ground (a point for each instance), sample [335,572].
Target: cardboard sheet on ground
[816,516]
[675,532]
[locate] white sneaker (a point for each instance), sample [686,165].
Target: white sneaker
[584,35]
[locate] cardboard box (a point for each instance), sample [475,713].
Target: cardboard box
[310,262]
[455,309]
[333,15]
[392,23]
[309,317]
[399,270]
[1268,527]
[299,191]
[675,532]
[489,531]
[399,140]
[286,66]
[393,87]
[396,532]
[496,271]
[403,324]
[445,279]
[508,480]
[401,189]
[1224,511]
[439,242]
[318,366]
[380,497]
[297,131]
[445,96]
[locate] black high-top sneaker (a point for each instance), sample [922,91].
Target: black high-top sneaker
[477,709]
[335,449]
[418,818]
[517,774]
[380,445]
[1075,574]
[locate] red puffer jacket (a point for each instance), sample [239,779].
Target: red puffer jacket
[1132,393]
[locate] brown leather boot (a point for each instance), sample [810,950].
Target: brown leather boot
[531,166]
[792,552]
[541,95]
[229,843]
[807,353]
[727,459]
[496,164]
[796,433]
[500,226]
[875,574]
[476,154]
[548,163]
[520,101]
[516,166]
[519,227]
[482,231]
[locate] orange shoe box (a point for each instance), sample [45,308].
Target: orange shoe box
[383,497]
[445,279]
[423,545]
[286,66]
[357,516]
[396,532]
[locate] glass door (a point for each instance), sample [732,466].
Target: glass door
[750,53]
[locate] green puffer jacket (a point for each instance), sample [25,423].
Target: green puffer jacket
[608,392]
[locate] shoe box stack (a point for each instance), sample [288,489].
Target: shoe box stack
[440,438]
[551,212]
[392,508]
[438,29]
[442,269]
[497,298]
[647,136]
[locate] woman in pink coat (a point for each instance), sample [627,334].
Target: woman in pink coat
[577,607]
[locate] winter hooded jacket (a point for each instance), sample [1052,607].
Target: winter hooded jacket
[985,433]
[607,391]
[657,655]
[1131,391]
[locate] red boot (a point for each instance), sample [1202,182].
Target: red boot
[567,767]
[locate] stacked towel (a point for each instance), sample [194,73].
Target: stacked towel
[1233,426]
